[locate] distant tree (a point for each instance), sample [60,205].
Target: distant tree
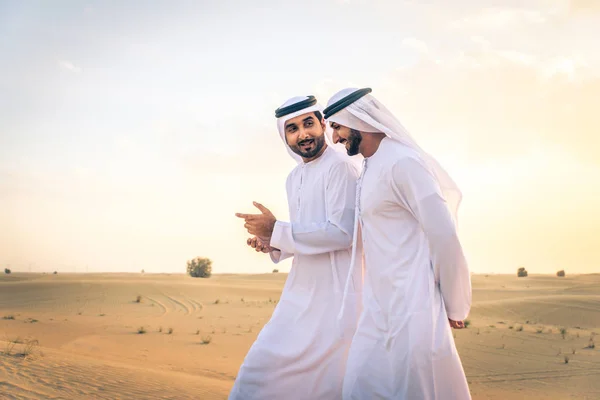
[143,271]
[7,271]
[199,267]
[55,272]
[521,272]
[275,271]
[561,273]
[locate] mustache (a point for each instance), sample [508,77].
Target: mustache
[305,141]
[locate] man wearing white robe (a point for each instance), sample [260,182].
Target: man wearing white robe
[417,283]
[299,354]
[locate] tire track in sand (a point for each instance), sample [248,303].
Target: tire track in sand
[186,308]
[161,305]
[197,305]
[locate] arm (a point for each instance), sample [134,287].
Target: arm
[418,190]
[331,235]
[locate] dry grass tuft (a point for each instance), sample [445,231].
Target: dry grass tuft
[206,339]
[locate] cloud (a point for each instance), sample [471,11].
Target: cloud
[416,44]
[516,57]
[568,67]
[499,18]
[69,66]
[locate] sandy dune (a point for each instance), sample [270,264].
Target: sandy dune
[88,345]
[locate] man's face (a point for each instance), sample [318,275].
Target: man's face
[305,135]
[350,138]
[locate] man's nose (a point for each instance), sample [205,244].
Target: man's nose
[304,134]
[335,137]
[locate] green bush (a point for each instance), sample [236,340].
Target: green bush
[199,267]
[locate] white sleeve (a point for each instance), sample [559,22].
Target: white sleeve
[277,256]
[418,190]
[322,237]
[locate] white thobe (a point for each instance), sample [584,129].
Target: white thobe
[299,354]
[416,277]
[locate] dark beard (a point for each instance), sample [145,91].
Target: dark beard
[319,143]
[354,140]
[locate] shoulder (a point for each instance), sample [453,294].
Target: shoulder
[293,173]
[397,152]
[406,164]
[412,177]
[341,165]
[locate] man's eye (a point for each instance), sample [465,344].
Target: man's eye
[309,123]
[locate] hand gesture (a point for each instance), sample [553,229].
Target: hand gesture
[259,245]
[260,225]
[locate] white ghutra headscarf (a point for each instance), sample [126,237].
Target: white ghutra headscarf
[356,109]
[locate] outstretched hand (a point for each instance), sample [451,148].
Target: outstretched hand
[456,324]
[260,225]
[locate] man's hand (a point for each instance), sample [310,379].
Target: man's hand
[259,245]
[456,324]
[259,224]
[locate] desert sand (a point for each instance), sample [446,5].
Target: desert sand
[86,336]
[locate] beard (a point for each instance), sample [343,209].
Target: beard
[315,147]
[353,142]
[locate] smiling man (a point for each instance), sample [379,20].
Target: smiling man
[299,353]
[417,282]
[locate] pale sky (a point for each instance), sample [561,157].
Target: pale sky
[131,132]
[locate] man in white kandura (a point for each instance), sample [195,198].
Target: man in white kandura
[417,283]
[299,354]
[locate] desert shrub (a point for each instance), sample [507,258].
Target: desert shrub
[141,330]
[206,339]
[199,267]
[561,273]
[467,322]
[275,271]
[521,272]
[138,299]
[29,345]
[7,270]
